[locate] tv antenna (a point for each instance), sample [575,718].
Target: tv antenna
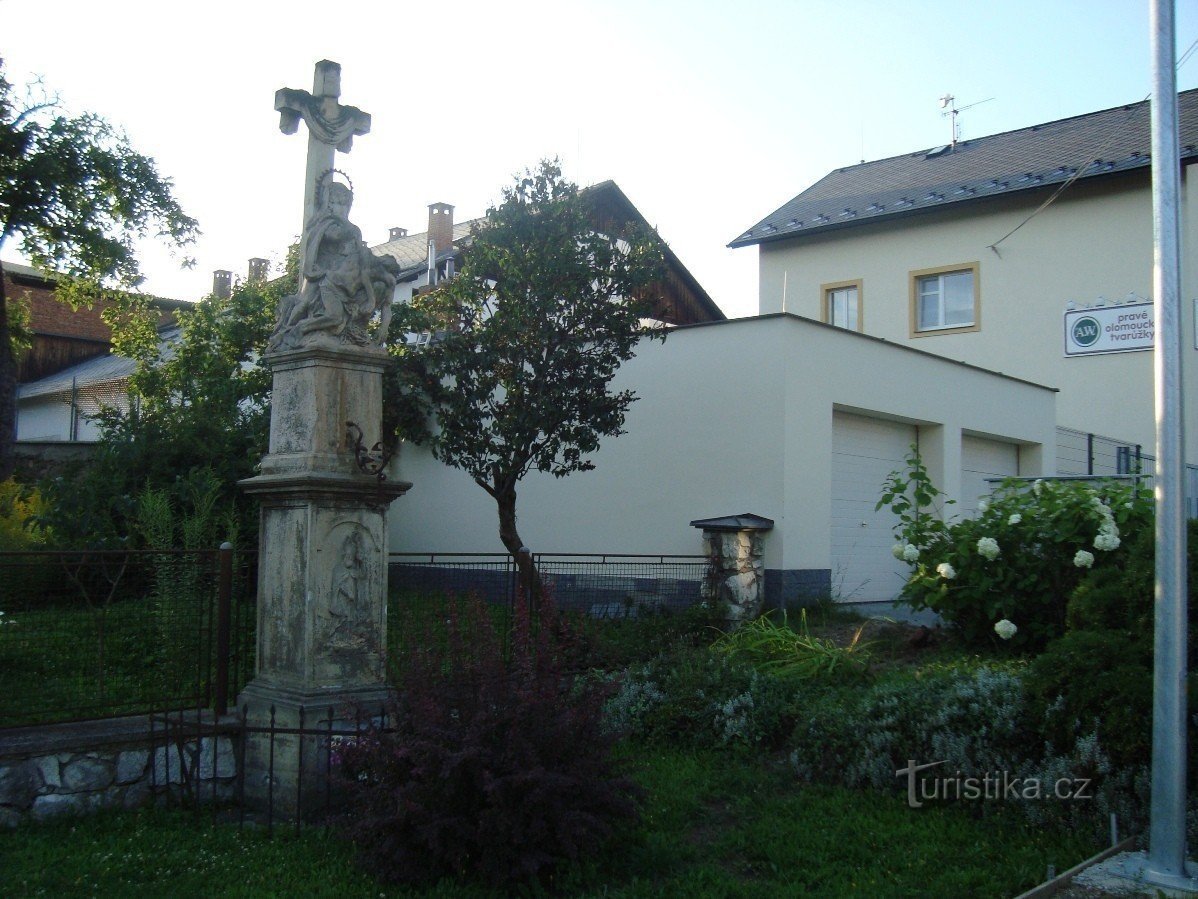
[949,104]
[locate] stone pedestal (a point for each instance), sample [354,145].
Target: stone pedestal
[322,579]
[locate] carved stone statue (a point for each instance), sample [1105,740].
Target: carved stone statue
[342,285]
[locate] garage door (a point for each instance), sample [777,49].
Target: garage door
[864,452]
[980,460]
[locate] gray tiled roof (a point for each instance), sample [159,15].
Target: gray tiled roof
[1113,140]
[411,251]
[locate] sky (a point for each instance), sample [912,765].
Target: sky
[709,115]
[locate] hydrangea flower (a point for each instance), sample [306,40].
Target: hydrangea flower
[1037,486]
[910,552]
[897,550]
[1106,542]
[1005,629]
[988,548]
[1015,518]
[982,506]
[1083,559]
[946,571]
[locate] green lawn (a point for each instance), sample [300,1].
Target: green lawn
[714,824]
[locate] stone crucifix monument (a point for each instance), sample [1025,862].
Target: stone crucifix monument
[322,580]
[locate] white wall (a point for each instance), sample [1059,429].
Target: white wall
[44,418]
[734,417]
[49,417]
[1096,240]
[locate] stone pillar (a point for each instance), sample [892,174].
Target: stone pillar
[736,575]
[322,580]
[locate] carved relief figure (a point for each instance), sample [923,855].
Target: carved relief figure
[343,284]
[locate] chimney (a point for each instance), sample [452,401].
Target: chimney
[440,226]
[259,269]
[397,233]
[222,284]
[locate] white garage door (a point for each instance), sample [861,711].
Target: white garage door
[982,459]
[864,452]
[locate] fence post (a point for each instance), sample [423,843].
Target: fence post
[1089,454]
[224,598]
[523,582]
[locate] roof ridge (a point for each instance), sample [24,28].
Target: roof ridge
[985,137]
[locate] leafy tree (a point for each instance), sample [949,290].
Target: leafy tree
[201,405]
[75,196]
[530,334]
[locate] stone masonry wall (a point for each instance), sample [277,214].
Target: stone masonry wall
[124,768]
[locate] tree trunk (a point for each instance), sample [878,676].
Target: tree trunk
[8,388]
[530,579]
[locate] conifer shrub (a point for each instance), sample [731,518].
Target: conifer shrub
[495,766]
[1098,676]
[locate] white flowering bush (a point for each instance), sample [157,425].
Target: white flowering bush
[1020,558]
[1006,629]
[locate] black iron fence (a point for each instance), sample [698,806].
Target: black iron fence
[98,634]
[90,634]
[597,585]
[198,761]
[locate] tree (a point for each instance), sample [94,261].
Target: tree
[76,197]
[530,334]
[200,411]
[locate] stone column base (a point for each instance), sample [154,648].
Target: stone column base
[290,744]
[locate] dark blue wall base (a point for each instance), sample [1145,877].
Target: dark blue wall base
[793,586]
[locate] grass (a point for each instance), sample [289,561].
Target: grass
[714,825]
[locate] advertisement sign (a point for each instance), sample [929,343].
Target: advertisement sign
[1109,329]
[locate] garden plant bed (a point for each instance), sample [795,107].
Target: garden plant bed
[714,824]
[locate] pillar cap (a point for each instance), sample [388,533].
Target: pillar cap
[746,521]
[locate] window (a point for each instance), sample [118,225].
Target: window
[945,299]
[842,304]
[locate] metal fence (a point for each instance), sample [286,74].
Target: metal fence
[598,585]
[92,634]
[1083,453]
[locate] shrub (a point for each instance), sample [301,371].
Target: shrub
[623,642]
[1098,676]
[20,507]
[495,769]
[1020,559]
[1095,681]
[693,696]
[969,717]
[779,650]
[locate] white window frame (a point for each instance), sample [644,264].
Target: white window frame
[828,293]
[921,276]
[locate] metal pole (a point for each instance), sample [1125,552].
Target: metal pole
[1166,863]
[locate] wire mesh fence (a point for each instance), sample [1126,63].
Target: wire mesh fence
[91,634]
[598,585]
[1080,453]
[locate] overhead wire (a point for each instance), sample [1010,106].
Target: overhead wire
[1089,162]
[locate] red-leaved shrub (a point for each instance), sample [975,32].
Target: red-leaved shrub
[494,766]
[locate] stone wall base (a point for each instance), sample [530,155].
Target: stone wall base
[73,768]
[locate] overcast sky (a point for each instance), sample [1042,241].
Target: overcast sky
[708,115]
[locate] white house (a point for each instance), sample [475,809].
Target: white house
[779,416]
[952,250]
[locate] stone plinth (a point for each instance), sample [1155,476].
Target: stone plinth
[322,577]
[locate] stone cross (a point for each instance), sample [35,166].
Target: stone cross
[331,127]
